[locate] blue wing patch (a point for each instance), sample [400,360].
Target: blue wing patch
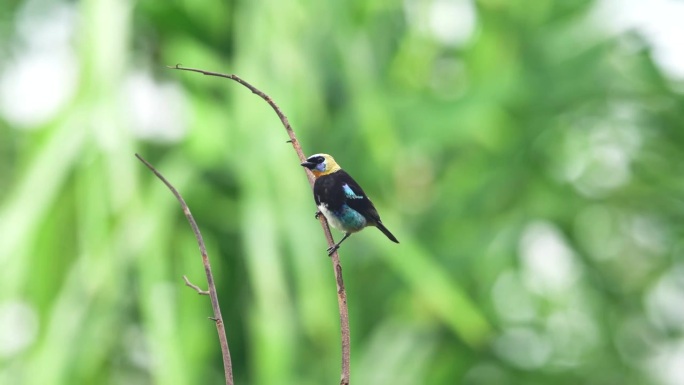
[350,193]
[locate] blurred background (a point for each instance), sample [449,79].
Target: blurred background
[528,155]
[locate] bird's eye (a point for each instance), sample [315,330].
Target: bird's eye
[320,159]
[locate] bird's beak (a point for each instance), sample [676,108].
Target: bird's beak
[309,165]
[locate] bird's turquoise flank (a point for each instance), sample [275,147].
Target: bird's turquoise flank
[350,193]
[350,219]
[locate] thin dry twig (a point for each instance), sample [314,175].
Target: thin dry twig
[227,365]
[195,287]
[335,258]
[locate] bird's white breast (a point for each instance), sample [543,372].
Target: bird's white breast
[332,219]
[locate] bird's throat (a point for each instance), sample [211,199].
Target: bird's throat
[330,170]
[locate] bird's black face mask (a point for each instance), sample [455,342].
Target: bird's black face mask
[314,162]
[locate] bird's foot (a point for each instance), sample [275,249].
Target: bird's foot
[332,249]
[318,214]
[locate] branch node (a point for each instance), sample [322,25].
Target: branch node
[195,287]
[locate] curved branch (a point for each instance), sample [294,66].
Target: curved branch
[227,365]
[335,258]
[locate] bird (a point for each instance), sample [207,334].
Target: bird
[341,200]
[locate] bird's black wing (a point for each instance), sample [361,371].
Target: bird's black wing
[355,197]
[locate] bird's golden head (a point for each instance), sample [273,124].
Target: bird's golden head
[321,164]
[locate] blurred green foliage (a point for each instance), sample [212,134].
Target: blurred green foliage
[528,160]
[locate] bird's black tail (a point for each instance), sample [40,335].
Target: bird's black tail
[384,230]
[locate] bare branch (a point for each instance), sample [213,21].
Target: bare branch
[335,258]
[227,365]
